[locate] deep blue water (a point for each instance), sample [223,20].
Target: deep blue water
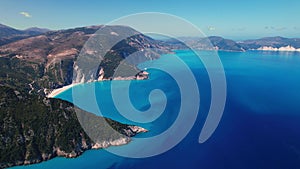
[260,127]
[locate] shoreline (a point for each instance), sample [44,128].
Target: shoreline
[93,146]
[142,75]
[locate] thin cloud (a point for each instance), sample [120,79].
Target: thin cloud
[280,28]
[25,14]
[275,28]
[211,28]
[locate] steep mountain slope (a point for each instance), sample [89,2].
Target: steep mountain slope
[34,128]
[55,53]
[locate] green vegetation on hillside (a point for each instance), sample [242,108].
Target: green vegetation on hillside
[34,128]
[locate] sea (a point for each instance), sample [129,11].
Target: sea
[259,128]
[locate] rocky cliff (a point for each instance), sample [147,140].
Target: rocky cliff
[35,129]
[54,54]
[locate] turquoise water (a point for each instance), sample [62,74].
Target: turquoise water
[260,127]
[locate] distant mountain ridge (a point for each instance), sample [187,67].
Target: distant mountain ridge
[6,31]
[274,42]
[9,34]
[219,43]
[33,31]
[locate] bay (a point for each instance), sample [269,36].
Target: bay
[260,127]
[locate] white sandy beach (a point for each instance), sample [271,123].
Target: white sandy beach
[55,92]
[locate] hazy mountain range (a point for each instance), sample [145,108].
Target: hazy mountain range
[9,35]
[218,43]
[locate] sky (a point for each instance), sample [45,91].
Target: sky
[236,19]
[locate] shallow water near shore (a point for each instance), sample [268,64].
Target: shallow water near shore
[260,127]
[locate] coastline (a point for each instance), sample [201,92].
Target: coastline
[142,75]
[57,152]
